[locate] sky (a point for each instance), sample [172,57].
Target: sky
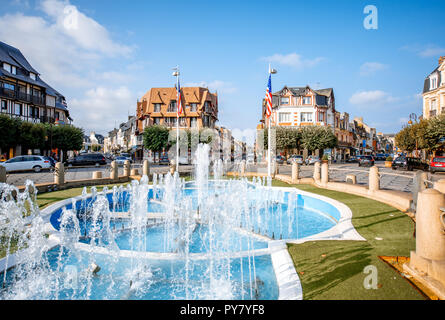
[104,55]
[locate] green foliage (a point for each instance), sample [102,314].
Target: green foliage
[155,138]
[435,132]
[32,136]
[325,157]
[64,137]
[95,147]
[317,137]
[9,128]
[425,134]
[389,158]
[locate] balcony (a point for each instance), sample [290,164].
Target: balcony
[433,113]
[22,96]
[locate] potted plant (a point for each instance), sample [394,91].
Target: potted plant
[325,158]
[388,162]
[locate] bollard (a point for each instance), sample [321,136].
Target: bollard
[134,172]
[374,179]
[172,166]
[114,174]
[2,174]
[243,168]
[59,174]
[419,184]
[146,168]
[317,176]
[295,172]
[440,185]
[430,238]
[126,168]
[324,173]
[97,175]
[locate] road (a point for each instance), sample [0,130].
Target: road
[402,180]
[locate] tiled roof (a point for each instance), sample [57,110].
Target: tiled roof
[14,57]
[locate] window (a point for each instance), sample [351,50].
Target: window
[433,105]
[4,105]
[7,67]
[156,107]
[433,83]
[321,117]
[172,107]
[32,76]
[18,109]
[306,100]
[193,107]
[284,100]
[156,120]
[193,122]
[57,115]
[284,117]
[13,70]
[9,86]
[306,117]
[207,106]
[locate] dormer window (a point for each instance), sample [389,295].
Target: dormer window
[9,68]
[306,100]
[284,100]
[32,76]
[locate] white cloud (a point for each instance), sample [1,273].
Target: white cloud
[101,107]
[75,60]
[425,51]
[371,98]
[370,68]
[293,60]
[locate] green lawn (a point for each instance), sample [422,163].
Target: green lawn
[334,269]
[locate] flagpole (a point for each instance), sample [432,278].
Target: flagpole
[268,144]
[177,124]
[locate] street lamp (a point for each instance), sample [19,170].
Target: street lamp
[176,74]
[269,160]
[412,118]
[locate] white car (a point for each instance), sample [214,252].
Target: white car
[120,160]
[24,163]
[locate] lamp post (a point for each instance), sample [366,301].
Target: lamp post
[176,74]
[413,119]
[269,153]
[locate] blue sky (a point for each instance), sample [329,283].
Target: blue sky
[122,48]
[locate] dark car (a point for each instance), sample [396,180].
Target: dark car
[365,161]
[437,164]
[51,160]
[380,157]
[352,159]
[163,158]
[280,159]
[408,163]
[86,159]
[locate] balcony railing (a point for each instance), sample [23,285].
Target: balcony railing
[22,96]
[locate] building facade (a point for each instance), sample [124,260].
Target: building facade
[301,106]
[158,107]
[24,94]
[434,91]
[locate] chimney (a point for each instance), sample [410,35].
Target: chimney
[441,59]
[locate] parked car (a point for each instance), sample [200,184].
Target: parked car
[408,163]
[280,159]
[295,158]
[352,159]
[312,160]
[120,160]
[127,156]
[25,163]
[381,156]
[51,160]
[163,159]
[250,158]
[437,164]
[366,161]
[86,159]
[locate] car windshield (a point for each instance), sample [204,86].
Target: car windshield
[442,160]
[120,158]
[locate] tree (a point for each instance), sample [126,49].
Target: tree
[317,137]
[155,138]
[285,138]
[406,139]
[95,147]
[32,136]
[9,128]
[435,133]
[65,138]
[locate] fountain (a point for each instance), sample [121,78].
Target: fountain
[172,239]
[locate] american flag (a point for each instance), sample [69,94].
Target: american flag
[269,97]
[178,100]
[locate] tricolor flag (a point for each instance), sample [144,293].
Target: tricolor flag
[269,97]
[178,100]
